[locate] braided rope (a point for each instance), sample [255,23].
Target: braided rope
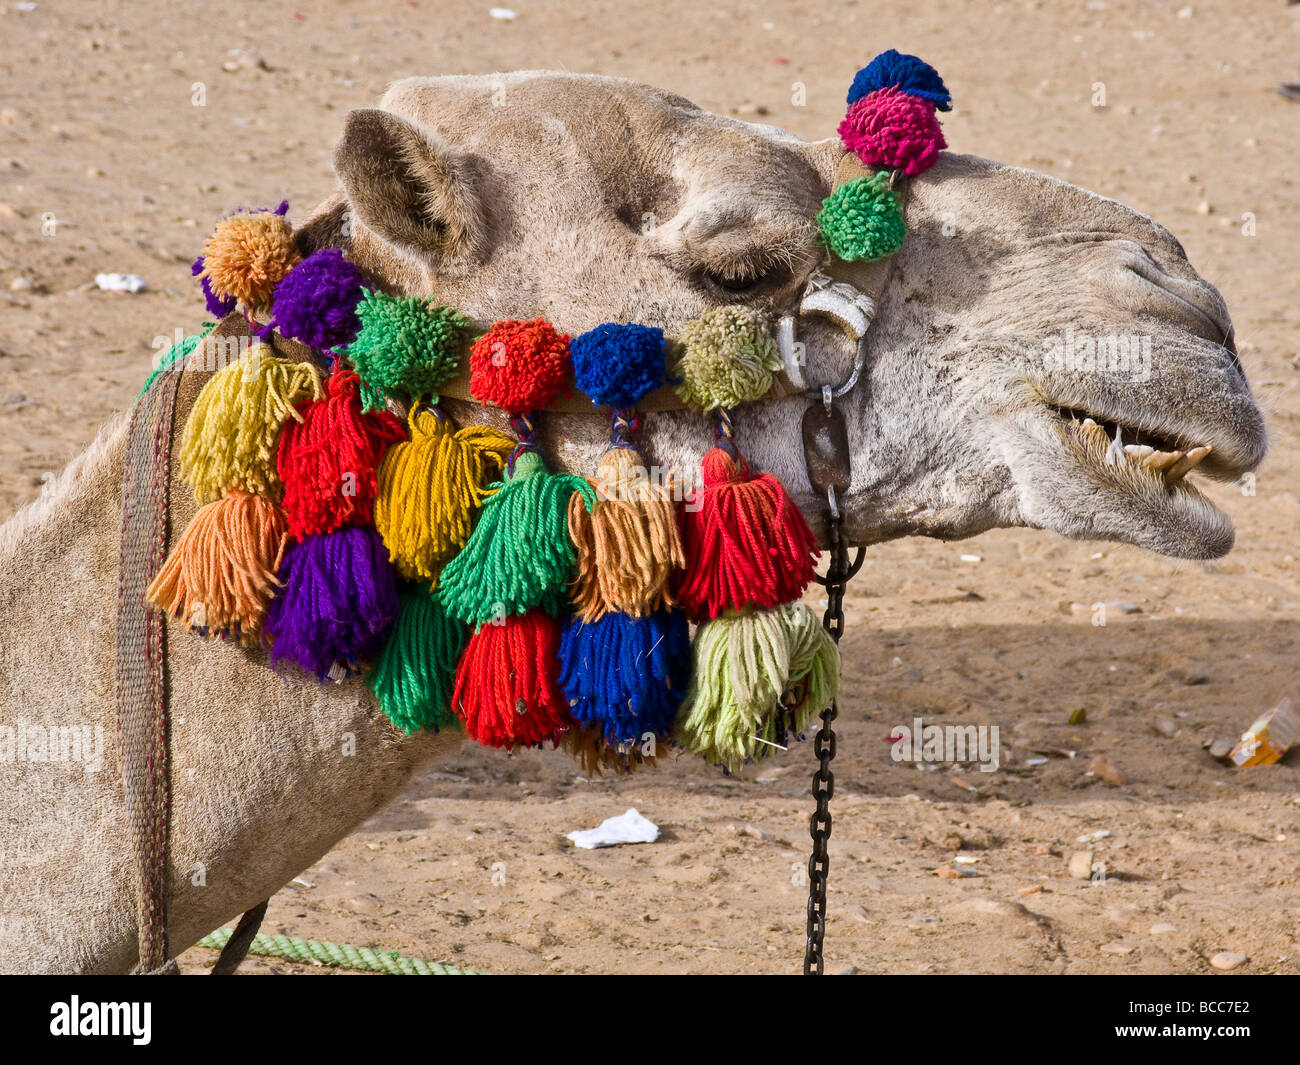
[336,955]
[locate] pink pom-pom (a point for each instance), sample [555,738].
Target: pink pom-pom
[893,130]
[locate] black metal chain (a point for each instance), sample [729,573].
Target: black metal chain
[836,580]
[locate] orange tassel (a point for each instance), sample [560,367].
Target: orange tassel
[220,576]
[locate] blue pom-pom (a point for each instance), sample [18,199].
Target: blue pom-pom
[617,365]
[906,72]
[217,306]
[316,301]
[626,676]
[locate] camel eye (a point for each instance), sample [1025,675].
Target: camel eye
[742,277]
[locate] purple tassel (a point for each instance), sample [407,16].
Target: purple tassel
[338,603]
[217,307]
[316,302]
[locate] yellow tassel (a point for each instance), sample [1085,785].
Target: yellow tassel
[628,546]
[220,577]
[233,430]
[429,488]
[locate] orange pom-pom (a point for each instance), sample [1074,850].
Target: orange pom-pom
[247,255]
[519,366]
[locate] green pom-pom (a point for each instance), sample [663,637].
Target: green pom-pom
[406,345]
[414,676]
[519,555]
[758,676]
[725,357]
[862,219]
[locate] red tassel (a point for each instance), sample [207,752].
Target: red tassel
[745,541]
[507,683]
[327,460]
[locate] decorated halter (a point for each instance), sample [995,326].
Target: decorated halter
[471,583]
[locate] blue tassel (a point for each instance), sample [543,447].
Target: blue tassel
[626,676]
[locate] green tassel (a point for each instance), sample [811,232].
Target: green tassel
[758,677]
[174,354]
[415,674]
[519,555]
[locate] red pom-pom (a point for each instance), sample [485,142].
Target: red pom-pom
[327,460]
[519,366]
[746,543]
[893,130]
[507,683]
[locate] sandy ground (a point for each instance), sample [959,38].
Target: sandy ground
[98,130]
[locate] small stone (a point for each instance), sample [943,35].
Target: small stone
[1162,929]
[998,908]
[1227,960]
[1204,207]
[921,920]
[1195,677]
[949,873]
[1104,769]
[953,841]
[1221,749]
[848,970]
[1080,865]
[1115,948]
[1032,889]
[1165,726]
[20,284]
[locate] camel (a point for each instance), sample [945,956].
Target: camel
[587,199]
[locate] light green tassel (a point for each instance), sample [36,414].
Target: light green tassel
[758,676]
[519,556]
[415,674]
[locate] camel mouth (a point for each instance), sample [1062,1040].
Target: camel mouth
[1129,482]
[1164,457]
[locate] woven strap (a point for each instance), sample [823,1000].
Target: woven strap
[141,696]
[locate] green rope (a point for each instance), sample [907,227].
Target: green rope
[315,952]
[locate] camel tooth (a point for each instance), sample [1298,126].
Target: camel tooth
[1137,452]
[1187,463]
[1115,450]
[1095,430]
[1162,460]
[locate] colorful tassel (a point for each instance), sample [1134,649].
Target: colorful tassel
[414,676]
[862,220]
[746,543]
[338,604]
[519,555]
[232,431]
[906,72]
[628,545]
[215,305]
[507,688]
[328,458]
[247,255]
[316,301]
[626,676]
[725,357]
[890,129]
[430,488]
[520,367]
[221,575]
[758,677]
[406,345]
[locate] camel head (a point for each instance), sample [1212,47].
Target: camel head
[1040,356]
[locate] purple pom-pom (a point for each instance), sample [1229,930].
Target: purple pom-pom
[316,301]
[217,306]
[338,603]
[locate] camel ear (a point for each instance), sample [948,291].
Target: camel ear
[407,187]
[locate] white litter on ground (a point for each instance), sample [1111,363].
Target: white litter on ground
[628,827]
[120,282]
[503,13]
